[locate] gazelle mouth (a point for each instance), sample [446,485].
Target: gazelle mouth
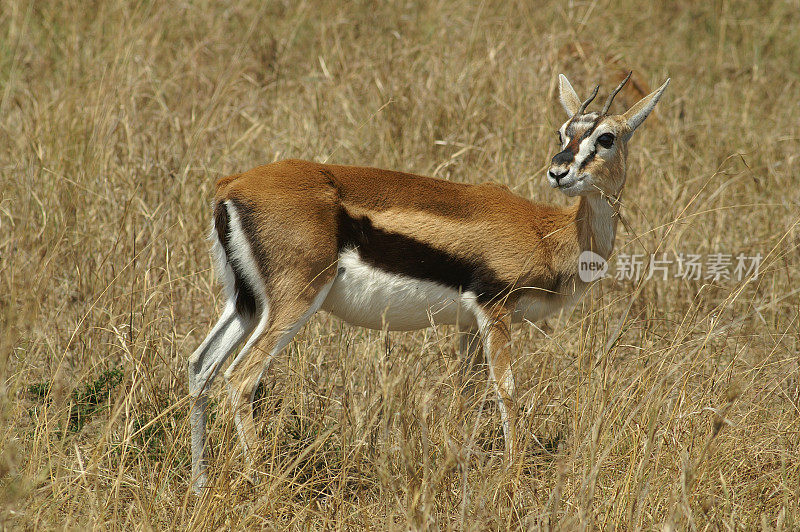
[570,187]
[571,183]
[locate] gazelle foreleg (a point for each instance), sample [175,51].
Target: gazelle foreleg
[494,325]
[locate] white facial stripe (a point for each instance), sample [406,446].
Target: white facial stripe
[589,146]
[585,150]
[579,125]
[562,130]
[579,179]
[601,129]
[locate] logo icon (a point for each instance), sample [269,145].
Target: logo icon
[591,266]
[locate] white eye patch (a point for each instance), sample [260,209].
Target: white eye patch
[562,136]
[588,147]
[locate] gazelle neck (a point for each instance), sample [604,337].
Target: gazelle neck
[596,220]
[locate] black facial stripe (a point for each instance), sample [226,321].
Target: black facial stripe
[587,160]
[565,156]
[576,143]
[403,255]
[591,129]
[585,136]
[245,295]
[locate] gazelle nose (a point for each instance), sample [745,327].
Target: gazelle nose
[564,157]
[557,174]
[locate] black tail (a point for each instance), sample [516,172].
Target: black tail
[246,304]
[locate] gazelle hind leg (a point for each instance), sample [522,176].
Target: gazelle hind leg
[229,331]
[246,371]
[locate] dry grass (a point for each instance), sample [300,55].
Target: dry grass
[115,119]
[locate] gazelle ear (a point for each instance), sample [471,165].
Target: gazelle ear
[569,99]
[636,114]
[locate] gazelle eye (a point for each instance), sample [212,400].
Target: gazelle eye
[606,140]
[560,138]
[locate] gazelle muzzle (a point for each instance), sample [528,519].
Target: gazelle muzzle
[560,164]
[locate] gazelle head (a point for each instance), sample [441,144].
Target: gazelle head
[594,145]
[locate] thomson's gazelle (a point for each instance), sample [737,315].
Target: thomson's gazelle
[384,249]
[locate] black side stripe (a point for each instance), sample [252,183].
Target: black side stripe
[245,295]
[402,255]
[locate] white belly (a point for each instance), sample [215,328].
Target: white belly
[370,297]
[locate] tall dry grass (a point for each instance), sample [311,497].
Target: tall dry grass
[662,404]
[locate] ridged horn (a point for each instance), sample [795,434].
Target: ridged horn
[588,100]
[611,96]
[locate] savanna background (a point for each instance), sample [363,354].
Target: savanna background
[653,405]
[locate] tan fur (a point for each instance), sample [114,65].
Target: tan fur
[293,210]
[532,247]
[525,243]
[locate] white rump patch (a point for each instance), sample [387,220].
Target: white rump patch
[242,255]
[221,266]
